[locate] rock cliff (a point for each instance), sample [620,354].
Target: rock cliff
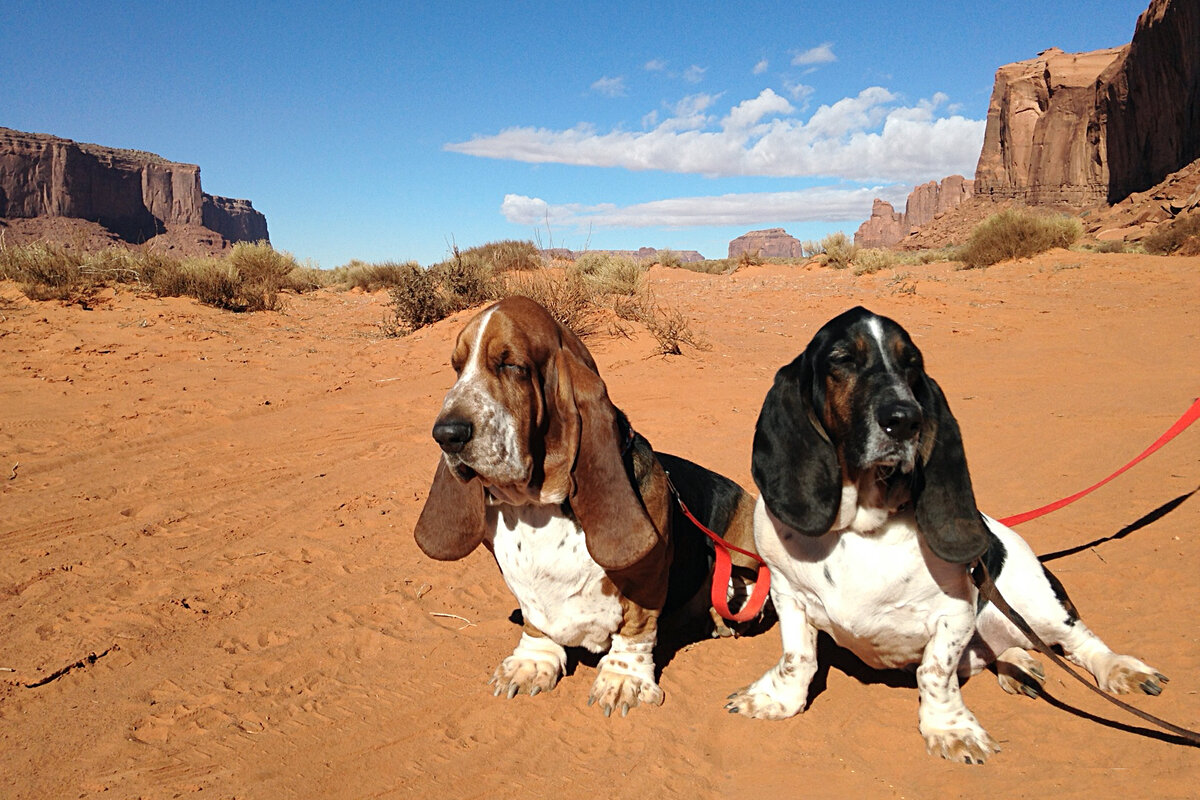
[135,195]
[886,226]
[1149,103]
[768,243]
[1091,128]
[1043,143]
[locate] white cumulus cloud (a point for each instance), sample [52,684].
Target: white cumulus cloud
[821,54]
[825,204]
[610,87]
[870,137]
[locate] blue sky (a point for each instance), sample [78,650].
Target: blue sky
[389,131]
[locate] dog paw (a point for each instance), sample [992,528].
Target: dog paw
[619,690]
[1020,673]
[1128,675]
[965,745]
[534,667]
[760,704]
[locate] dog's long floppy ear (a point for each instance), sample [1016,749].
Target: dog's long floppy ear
[616,527]
[794,464]
[946,511]
[451,524]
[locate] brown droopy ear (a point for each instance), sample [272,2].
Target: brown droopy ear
[451,524]
[615,524]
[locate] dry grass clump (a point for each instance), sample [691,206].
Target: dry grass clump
[749,258]
[1174,236]
[509,255]
[710,266]
[608,273]
[669,327]
[839,250]
[570,298]
[872,259]
[416,301]
[1017,233]
[369,277]
[249,278]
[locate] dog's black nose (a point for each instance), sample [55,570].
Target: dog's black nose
[900,420]
[453,434]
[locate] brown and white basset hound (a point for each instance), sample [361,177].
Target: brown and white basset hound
[868,522]
[539,466]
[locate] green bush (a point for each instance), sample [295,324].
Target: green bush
[1017,233]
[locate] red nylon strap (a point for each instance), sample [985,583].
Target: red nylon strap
[1189,416]
[723,571]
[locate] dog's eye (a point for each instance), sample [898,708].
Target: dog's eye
[841,359]
[516,370]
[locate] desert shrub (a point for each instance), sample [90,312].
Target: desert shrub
[47,271]
[749,258]
[466,279]
[1017,233]
[415,301]
[669,258]
[212,281]
[873,259]
[839,250]
[1169,237]
[509,255]
[569,298]
[669,327]
[608,273]
[261,272]
[809,248]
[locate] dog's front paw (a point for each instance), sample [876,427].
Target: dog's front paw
[1128,675]
[534,667]
[967,745]
[764,703]
[618,689]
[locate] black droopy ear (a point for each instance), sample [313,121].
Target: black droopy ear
[616,527]
[451,524]
[794,464]
[946,511]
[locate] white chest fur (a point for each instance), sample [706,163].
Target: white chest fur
[879,592]
[562,591]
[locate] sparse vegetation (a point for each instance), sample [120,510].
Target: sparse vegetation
[669,258]
[607,273]
[839,250]
[749,258]
[669,327]
[1017,233]
[569,298]
[1170,237]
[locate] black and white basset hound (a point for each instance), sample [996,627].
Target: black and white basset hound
[868,522]
[540,467]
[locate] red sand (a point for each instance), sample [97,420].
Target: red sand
[222,505]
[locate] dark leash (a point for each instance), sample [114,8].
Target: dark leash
[990,593]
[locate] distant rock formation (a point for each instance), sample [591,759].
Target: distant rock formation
[236,220]
[886,226]
[768,243]
[133,194]
[646,254]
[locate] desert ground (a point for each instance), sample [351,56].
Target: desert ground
[209,585]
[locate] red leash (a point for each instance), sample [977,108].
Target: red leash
[723,570]
[1189,416]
